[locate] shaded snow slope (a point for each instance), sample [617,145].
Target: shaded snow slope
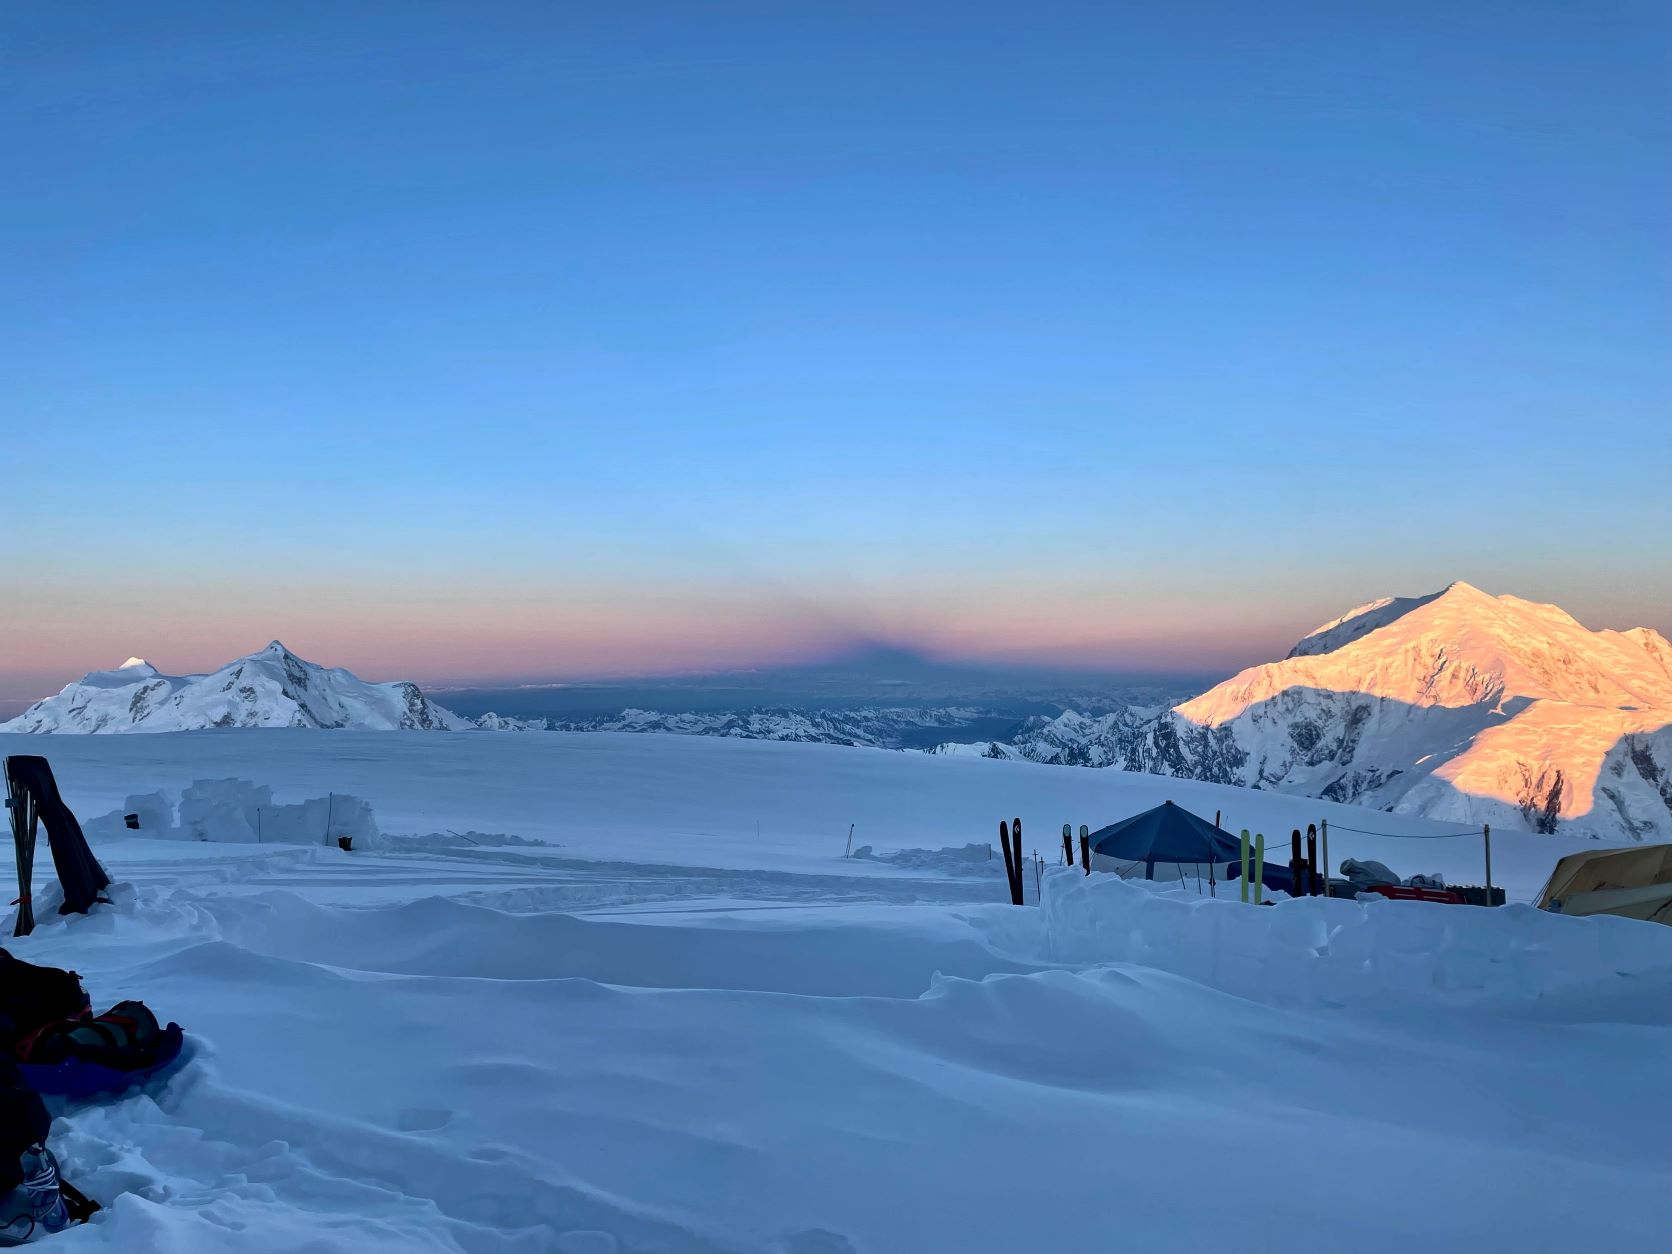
[272,688]
[1359,622]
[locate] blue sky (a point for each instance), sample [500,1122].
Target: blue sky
[488,340]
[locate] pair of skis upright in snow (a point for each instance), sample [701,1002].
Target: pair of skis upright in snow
[1068,846]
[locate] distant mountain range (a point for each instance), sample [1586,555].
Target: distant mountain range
[272,688]
[276,688]
[1459,706]
[876,727]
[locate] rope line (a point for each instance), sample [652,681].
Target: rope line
[1362,831]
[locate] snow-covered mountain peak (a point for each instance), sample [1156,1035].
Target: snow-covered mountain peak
[1457,648]
[1462,704]
[269,688]
[1458,705]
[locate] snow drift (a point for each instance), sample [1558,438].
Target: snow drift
[412,1070]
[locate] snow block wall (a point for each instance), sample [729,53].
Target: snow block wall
[1311,951]
[241,812]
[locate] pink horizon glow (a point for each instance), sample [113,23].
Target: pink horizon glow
[473,634]
[454,654]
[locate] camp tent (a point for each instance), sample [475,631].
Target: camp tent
[1632,883]
[1168,842]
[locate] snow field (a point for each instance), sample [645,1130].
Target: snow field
[739,804]
[738,1042]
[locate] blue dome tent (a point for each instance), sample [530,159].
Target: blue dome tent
[1169,835]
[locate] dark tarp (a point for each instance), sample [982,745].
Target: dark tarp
[1274,875]
[32,794]
[1168,833]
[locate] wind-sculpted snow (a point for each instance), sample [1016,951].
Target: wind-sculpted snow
[1321,951]
[412,1050]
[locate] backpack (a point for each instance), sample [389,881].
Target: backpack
[31,997]
[127,1037]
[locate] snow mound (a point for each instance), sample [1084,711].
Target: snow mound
[972,859]
[1325,951]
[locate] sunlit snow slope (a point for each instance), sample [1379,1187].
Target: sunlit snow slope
[1461,706]
[1465,707]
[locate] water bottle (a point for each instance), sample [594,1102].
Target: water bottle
[40,1182]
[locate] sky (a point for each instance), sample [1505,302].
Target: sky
[483,341]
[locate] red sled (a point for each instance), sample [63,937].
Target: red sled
[1403,892]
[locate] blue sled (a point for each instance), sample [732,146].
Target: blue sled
[78,1080]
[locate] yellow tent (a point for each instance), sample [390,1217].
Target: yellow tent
[1632,883]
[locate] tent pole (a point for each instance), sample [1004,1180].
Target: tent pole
[1486,835]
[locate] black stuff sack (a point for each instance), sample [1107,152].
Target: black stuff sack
[32,997]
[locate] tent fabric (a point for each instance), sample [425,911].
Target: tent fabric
[1168,833]
[1632,883]
[30,778]
[1218,872]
